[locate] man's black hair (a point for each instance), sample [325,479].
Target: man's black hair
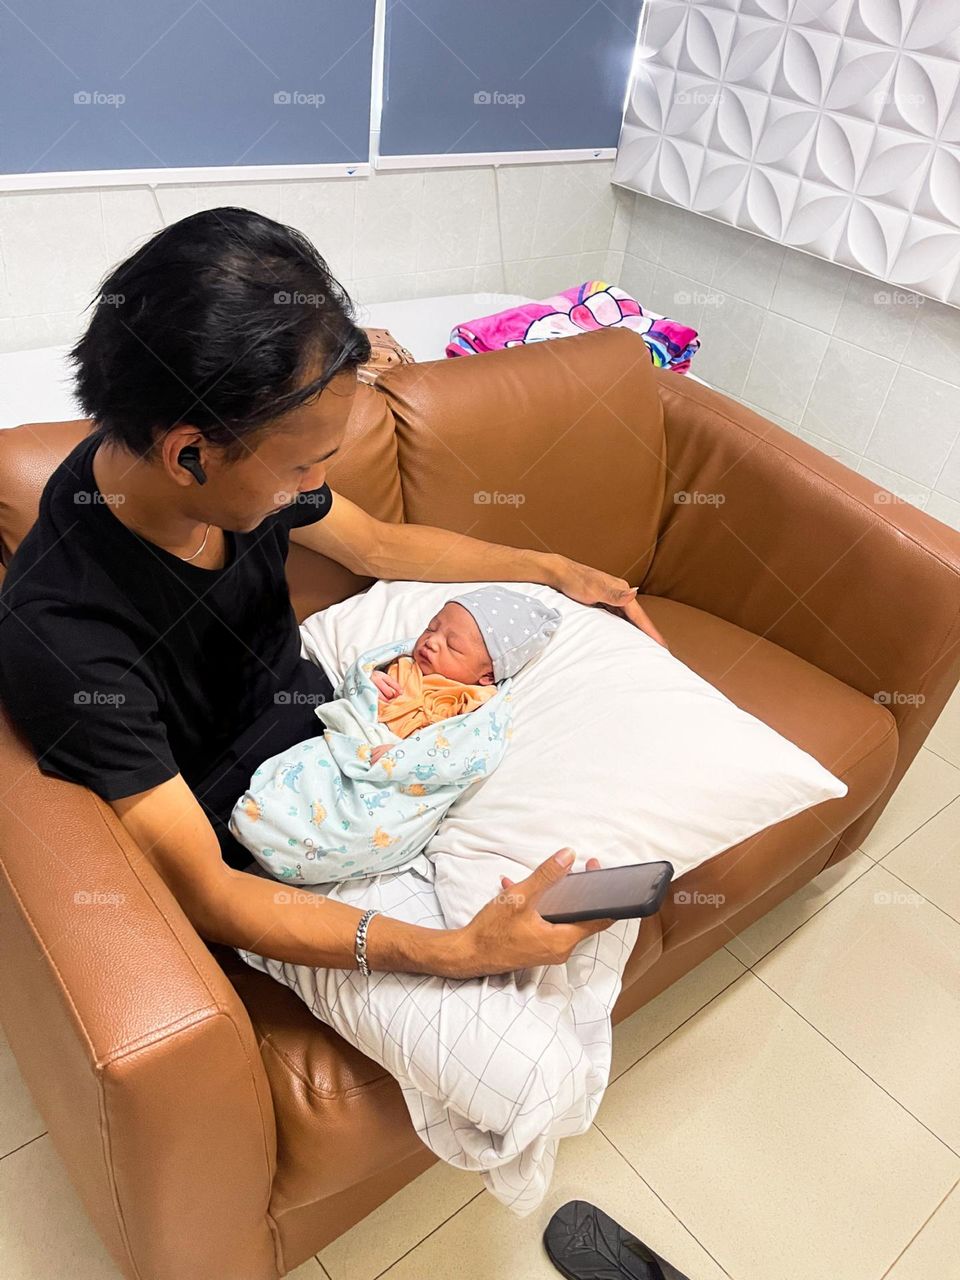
[218,320]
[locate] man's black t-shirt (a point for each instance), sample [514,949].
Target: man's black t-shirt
[124,665]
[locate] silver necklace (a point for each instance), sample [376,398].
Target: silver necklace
[200,548]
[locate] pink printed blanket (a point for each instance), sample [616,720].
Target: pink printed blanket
[591,305]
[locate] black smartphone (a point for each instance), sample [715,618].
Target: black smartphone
[616,893]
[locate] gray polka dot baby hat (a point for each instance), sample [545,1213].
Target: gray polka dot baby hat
[515,627]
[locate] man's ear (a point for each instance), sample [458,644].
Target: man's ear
[486,678]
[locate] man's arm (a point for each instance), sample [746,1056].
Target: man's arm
[419,552]
[289,924]
[422,553]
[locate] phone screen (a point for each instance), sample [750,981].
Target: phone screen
[617,893]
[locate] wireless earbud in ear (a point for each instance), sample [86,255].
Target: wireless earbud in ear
[189,459]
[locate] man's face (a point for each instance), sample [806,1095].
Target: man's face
[282,462]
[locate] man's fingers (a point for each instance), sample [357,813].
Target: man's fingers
[634,613]
[549,872]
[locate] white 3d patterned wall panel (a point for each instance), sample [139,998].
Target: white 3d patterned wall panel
[829,125]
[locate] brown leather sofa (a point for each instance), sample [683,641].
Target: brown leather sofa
[217,1131]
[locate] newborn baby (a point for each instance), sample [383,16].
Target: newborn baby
[449,673]
[401,744]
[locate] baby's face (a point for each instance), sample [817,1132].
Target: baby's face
[452,646]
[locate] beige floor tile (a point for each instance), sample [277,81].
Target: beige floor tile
[944,737]
[484,1241]
[311,1270]
[929,860]
[19,1119]
[770,930]
[638,1034]
[935,1253]
[777,1153]
[927,787]
[46,1233]
[878,973]
[400,1223]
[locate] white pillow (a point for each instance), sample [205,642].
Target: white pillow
[618,749]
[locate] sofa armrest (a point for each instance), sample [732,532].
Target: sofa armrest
[136,1048]
[794,546]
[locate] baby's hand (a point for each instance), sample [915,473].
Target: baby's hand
[377,752]
[387,687]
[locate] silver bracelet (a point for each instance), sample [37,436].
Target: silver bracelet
[361,945]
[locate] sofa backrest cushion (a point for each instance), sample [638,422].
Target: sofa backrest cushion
[557,446]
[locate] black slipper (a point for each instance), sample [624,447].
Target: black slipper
[583,1243]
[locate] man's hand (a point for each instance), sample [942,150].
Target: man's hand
[387,686]
[591,586]
[509,933]
[378,751]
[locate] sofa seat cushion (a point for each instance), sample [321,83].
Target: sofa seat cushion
[341,1116]
[850,734]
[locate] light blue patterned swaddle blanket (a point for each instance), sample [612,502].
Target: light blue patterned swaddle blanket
[319,811]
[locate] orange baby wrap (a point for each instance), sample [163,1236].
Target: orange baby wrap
[424,700]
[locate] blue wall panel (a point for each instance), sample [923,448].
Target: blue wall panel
[505,75]
[167,84]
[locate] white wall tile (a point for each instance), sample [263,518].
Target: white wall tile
[948,482]
[876,317]
[748,267]
[389,212]
[849,392]
[541,277]
[902,487]
[676,296]
[729,331]
[454,203]
[934,345]
[785,366]
[944,509]
[636,276]
[519,195]
[917,426]
[53,250]
[326,214]
[130,216]
[810,290]
[646,233]
[623,214]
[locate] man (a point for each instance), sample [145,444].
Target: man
[148,648]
